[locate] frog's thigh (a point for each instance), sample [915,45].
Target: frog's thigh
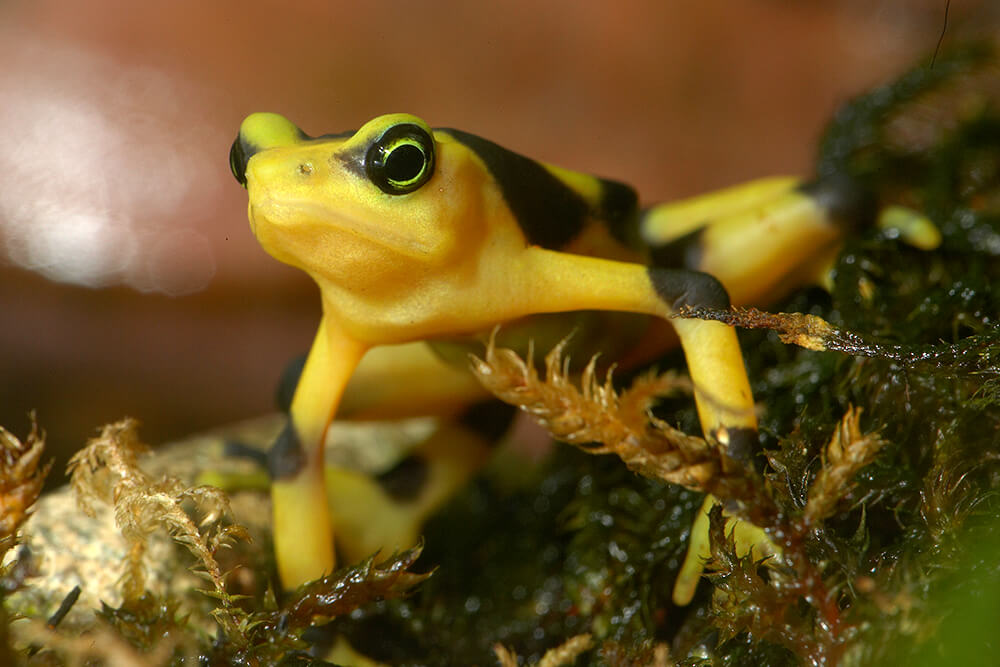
[790,241]
[385,513]
[408,380]
[786,239]
[673,221]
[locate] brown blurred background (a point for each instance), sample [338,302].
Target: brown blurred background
[129,281]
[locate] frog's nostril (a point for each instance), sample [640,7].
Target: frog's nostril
[239,154]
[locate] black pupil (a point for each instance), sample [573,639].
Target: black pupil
[404,163]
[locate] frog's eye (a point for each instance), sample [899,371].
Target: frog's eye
[401,160]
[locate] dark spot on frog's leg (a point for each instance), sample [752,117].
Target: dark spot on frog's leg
[548,211]
[742,443]
[240,450]
[849,205]
[684,252]
[680,287]
[405,480]
[490,419]
[286,458]
[487,419]
[288,382]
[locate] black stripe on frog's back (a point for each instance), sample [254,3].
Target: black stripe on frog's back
[619,209]
[549,212]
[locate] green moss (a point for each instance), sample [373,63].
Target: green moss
[592,548]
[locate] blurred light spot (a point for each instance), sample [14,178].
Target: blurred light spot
[177,262]
[74,246]
[98,158]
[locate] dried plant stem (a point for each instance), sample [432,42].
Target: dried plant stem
[598,420]
[22,476]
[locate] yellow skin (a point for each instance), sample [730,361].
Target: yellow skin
[415,234]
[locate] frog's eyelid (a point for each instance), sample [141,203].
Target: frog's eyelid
[347,134]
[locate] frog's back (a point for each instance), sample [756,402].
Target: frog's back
[560,209]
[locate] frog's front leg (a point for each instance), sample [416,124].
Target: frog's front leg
[303,535]
[715,361]
[566,282]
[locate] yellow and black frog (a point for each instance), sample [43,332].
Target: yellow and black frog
[423,240]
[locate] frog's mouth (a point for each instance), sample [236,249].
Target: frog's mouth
[309,217]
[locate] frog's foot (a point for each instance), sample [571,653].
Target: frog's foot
[748,537]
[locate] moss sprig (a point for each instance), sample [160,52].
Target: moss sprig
[107,470]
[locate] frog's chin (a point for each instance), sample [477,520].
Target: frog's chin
[252,216]
[269,236]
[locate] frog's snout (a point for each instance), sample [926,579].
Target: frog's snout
[260,131]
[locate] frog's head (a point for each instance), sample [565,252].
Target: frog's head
[382,197]
[393,212]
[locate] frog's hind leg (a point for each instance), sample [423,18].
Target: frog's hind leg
[765,238]
[664,227]
[385,513]
[408,380]
[761,239]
